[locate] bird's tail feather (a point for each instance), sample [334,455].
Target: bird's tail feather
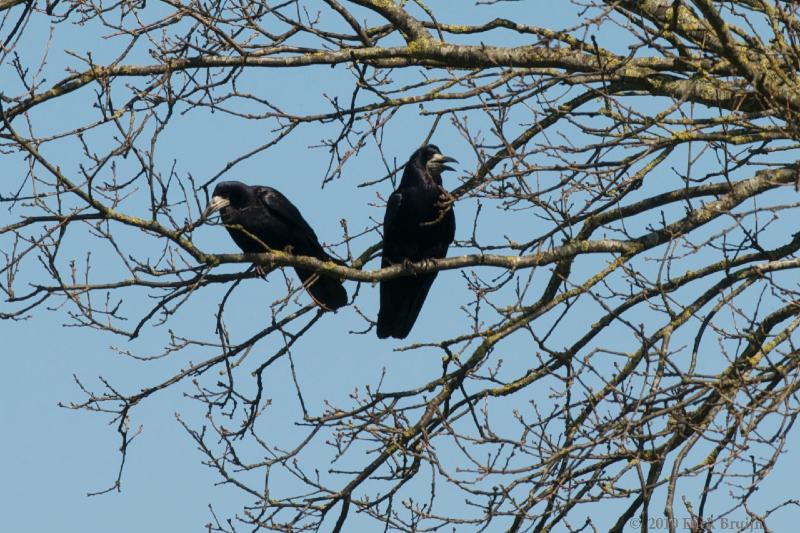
[326,291]
[401,303]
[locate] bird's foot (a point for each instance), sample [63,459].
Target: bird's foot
[419,266]
[408,264]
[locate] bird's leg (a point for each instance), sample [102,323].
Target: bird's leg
[261,270]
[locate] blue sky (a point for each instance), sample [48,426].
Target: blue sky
[51,457]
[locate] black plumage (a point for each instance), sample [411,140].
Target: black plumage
[261,219]
[419,224]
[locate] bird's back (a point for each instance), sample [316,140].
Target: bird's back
[271,220]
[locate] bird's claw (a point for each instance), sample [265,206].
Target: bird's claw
[420,266]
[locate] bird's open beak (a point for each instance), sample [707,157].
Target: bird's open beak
[216,203]
[442,160]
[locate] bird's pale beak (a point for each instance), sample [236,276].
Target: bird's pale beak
[442,160]
[216,203]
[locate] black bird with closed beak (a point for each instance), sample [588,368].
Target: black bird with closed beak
[261,219]
[419,224]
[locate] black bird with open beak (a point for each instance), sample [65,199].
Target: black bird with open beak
[419,224]
[260,219]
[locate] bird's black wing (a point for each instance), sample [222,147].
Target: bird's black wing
[326,291]
[295,231]
[401,298]
[392,226]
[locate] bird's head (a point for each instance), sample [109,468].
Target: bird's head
[229,193]
[429,160]
[433,160]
